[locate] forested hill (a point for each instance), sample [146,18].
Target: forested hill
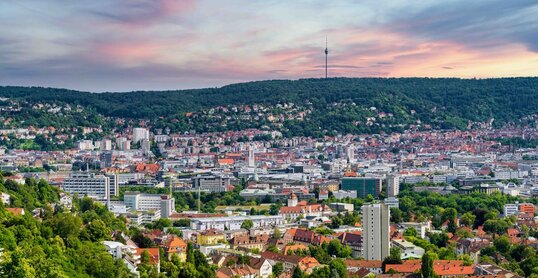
[340,104]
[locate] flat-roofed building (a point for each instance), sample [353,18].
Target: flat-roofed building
[364,186]
[88,184]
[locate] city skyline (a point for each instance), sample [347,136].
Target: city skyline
[155,45]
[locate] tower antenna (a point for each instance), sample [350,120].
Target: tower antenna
[326,55]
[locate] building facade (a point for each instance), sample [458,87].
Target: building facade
[88,184]
[376,229]
[364,186]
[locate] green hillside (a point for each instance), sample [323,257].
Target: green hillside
[336,104]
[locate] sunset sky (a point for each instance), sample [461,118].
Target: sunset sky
[123,45]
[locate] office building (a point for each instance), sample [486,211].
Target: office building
[88,184]
[137,201]
[211,183]
[364,186]
[525,209]
[375,231]
[114,184]
[393,185]
[231,223]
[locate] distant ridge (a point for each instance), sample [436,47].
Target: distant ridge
[334,104]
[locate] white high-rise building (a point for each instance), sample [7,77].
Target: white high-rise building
[393,185]
[145,146]
[113,184]
[85,145]
[126,145]
[350,153]
[119,142]
[375,231]
[139,134]
[106,145]
[251,158]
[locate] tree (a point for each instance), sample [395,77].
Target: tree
[410,232]
[298,273]
[144,257]
[393,258]
[335,248]
[395,215]
[468,219]
[247,224]
[467,261]
[277,269]
[338,266]
[277,234]
[502,244]
[427,264]
[323,272]
[98,231]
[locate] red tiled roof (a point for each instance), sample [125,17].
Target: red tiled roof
[16,211]
[153,254]
[364,263]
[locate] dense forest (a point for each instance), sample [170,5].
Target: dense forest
[333,105]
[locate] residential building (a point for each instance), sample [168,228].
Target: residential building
[289,262]
[421,227]
[106,145]
[140,134]
[263,267]
[487,269]
[237,271]
[376,229]
[393,185]
[6,198]
[210,237]
[248,242]
[374,267]
[173,244]
[143,217]
[296,209]
[407,249]
[354,241]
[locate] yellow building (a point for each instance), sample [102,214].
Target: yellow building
[210,237]
[176,245]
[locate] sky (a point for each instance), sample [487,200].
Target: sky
[125,45]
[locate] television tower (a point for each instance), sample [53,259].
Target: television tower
[326,55]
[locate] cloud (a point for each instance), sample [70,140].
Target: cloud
[166,44]
[137,13]
[479,24]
